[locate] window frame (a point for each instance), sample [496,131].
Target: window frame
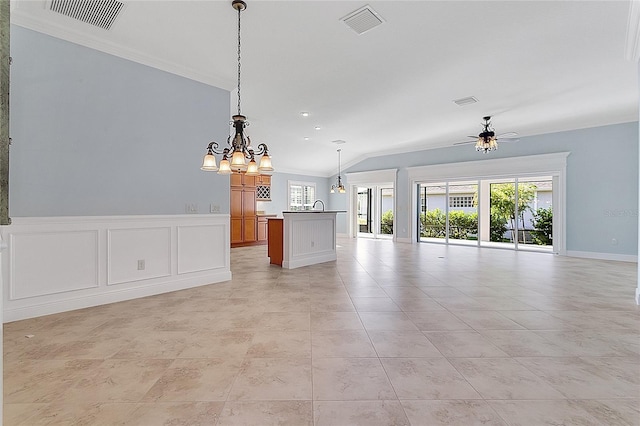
[303,184]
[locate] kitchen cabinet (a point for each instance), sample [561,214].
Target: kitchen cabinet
[262,229]
[244,220]
[263,188]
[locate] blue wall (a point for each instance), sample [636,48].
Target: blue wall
[602,182]
[279,191]
[94,134]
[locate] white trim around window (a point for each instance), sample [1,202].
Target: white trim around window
[554,165]
[291,183]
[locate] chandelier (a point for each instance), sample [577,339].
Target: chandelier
[487,138]
[235,156]
[338,186]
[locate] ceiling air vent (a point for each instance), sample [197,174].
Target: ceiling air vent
[465,101]
[363,19]
[100,13]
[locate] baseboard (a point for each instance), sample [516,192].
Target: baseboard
[603,256]
[119,295]
[307,260]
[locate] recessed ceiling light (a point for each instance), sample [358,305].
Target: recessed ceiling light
[306,138]
[317,127]
[304,114]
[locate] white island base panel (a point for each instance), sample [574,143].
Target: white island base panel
[309,238]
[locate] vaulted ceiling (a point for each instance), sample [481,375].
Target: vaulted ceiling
[534,66]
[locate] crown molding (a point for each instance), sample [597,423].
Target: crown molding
[23,19]
[632,45]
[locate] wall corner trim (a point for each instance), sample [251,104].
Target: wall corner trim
[632,44]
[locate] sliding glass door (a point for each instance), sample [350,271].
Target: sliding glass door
[514,213]
[462,214]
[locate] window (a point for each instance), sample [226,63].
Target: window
[461,201]
[301,195]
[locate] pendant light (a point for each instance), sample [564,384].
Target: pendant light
[235,156]
[338,186]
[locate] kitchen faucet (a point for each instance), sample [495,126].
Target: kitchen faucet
[316,201]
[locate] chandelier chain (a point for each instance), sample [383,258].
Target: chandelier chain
[239,9]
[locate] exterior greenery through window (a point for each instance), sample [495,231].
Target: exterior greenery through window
[534,224]
[301,195]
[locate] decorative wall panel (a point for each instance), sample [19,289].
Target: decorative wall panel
[58,264]
[68,259]
[201,248]
[138,254]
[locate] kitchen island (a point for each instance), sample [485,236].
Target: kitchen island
[302,238]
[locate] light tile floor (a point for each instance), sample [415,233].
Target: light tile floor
[390,334]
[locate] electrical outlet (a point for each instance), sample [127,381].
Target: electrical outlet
[214,208]
[191,208]
[141,265]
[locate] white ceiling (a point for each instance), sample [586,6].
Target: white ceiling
[536,67]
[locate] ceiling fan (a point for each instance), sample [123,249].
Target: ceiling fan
[487,140]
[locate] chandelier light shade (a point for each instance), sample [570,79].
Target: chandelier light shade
[338,186]
[239,155]
[487,138]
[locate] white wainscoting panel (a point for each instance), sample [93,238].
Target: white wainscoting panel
[69,259]
[126,247]
[58,264]
[312,236]
[201,248]
[309,238]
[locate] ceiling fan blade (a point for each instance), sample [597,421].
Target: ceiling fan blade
[464,143]
[501,140]
[507,135]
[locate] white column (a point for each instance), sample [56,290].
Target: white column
[632,53]
[638,276]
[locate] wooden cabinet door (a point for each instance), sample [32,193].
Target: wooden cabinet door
[265,180]
[249,181]
[236,230]
[250,231]
[244,222]
[236,206]
[235,179]
[249,202]
[262,229]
